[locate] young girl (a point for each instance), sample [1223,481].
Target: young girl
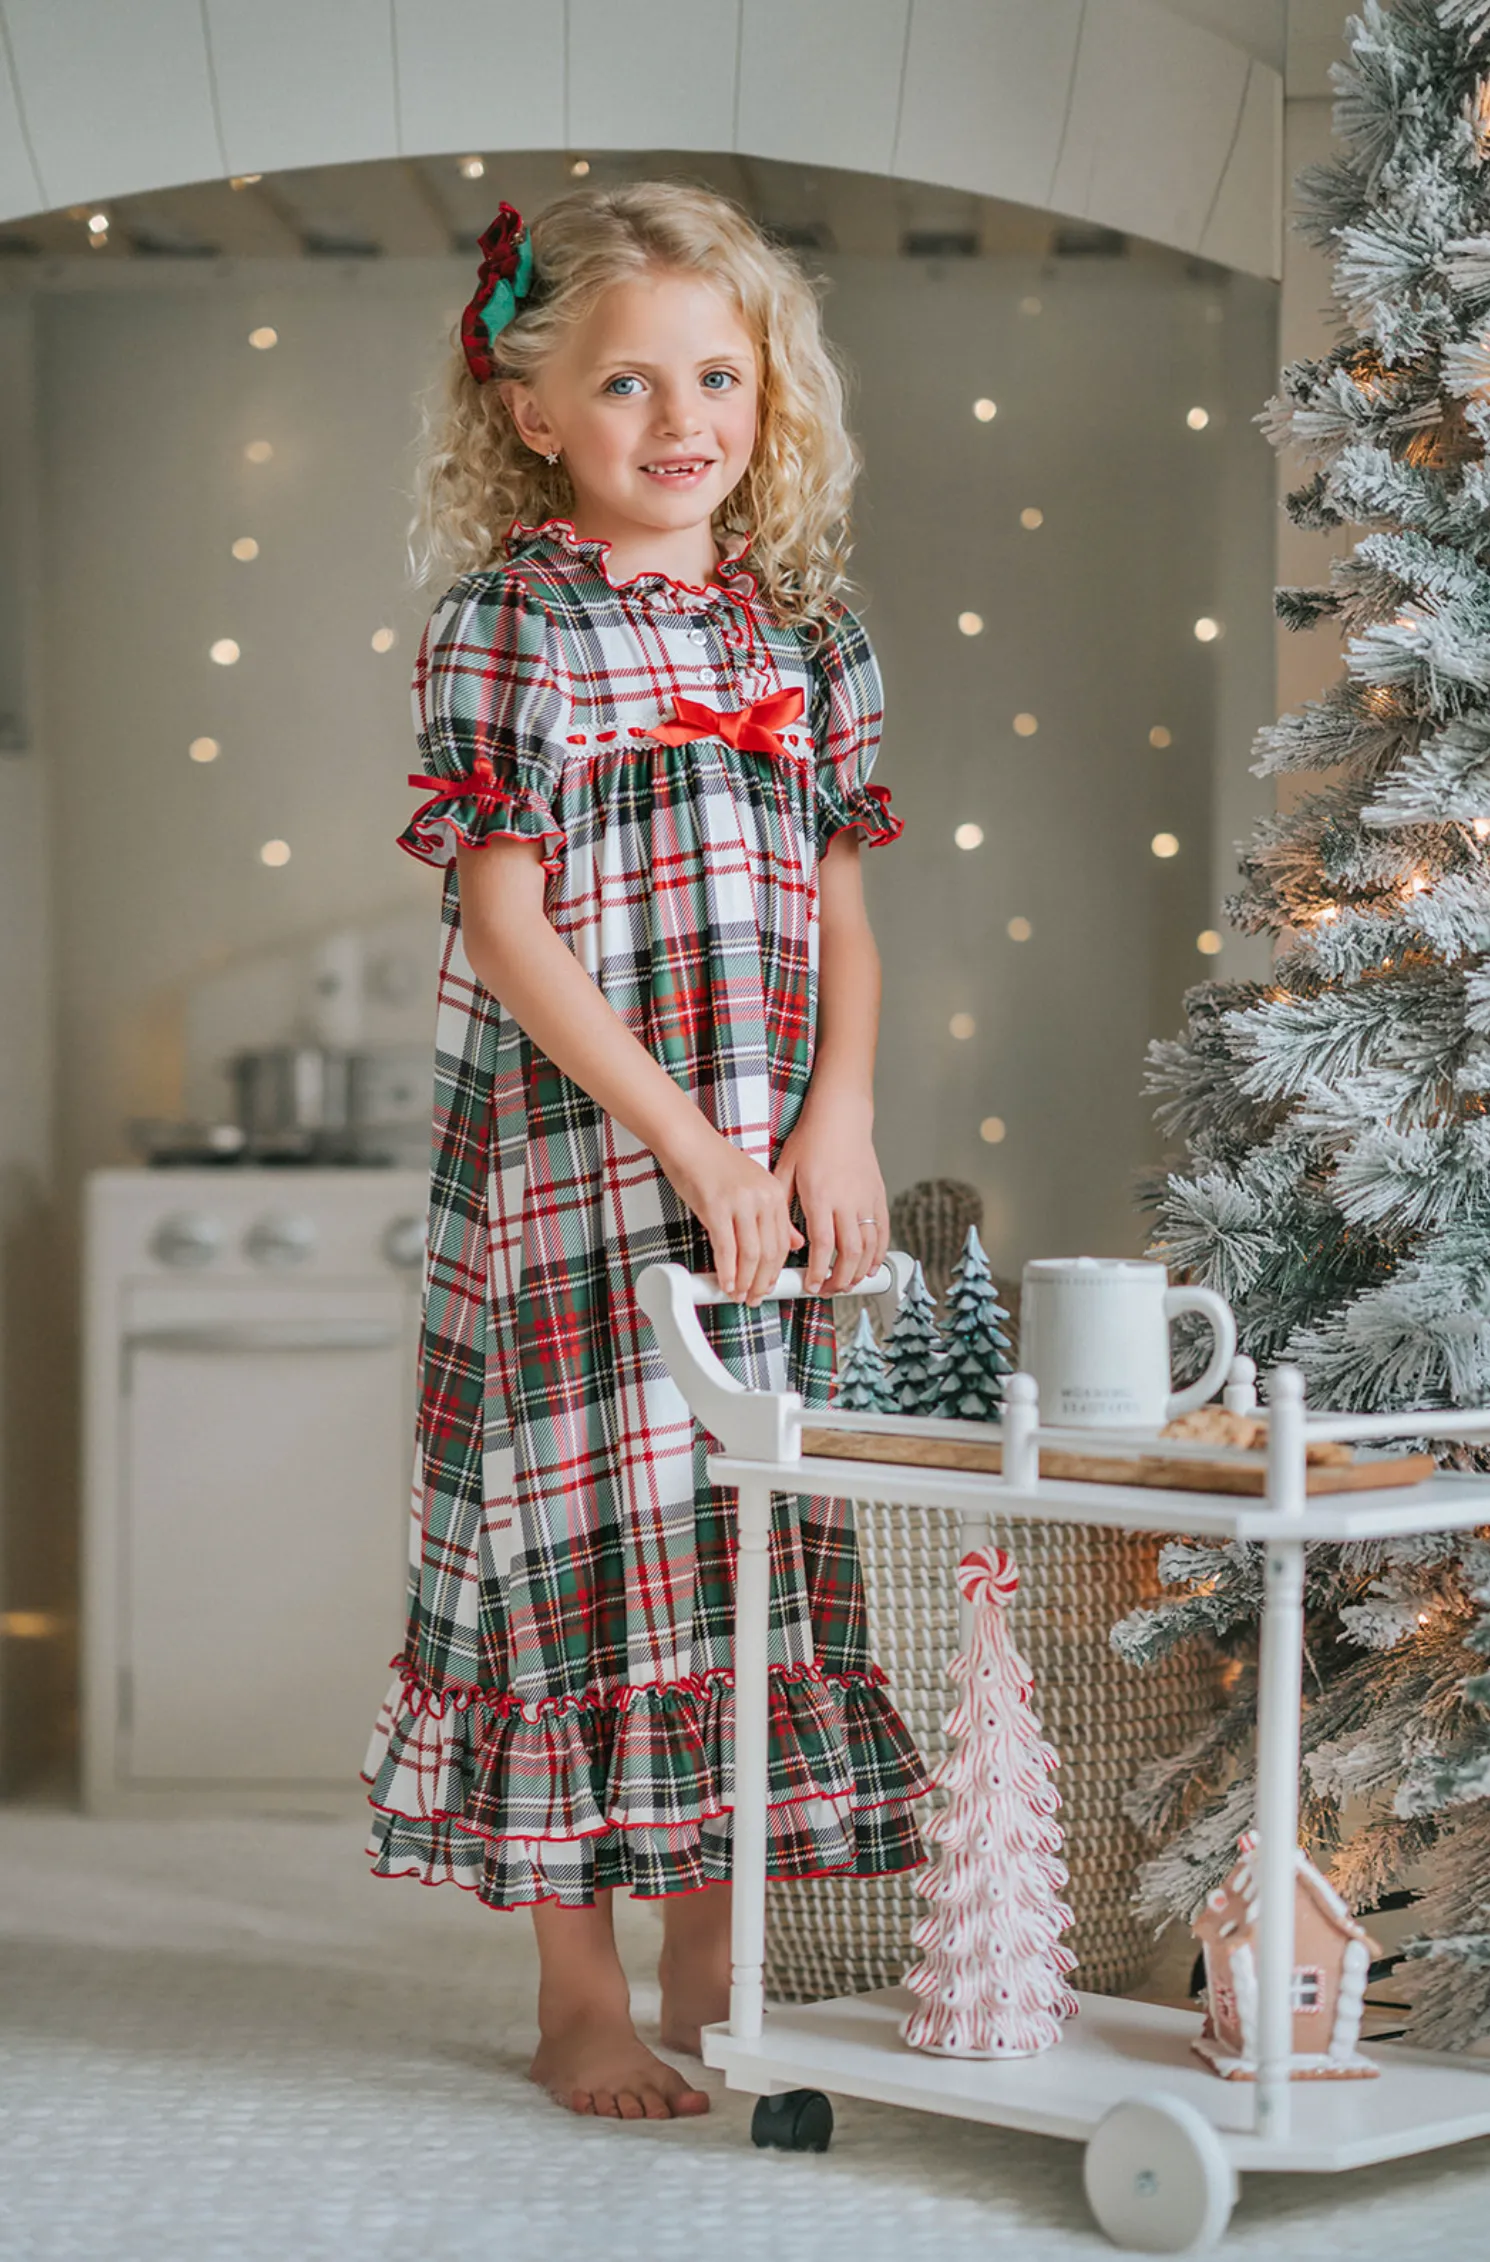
[657,1005]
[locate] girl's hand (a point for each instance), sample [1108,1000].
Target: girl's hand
[828,1163]
[744,1209]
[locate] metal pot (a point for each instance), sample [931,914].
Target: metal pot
[296,1095]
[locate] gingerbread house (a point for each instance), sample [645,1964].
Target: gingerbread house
[1332,1956]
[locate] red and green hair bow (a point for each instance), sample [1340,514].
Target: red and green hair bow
[504,278]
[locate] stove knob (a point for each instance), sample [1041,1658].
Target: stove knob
[280,1239]
[187,1237]
[403,1242]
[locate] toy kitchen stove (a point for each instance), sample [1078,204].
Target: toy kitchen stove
[251,1341]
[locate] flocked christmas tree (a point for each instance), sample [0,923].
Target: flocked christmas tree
[913,1350]
[992,1977]
[863,1385]
[1337,1116]
[975,1343]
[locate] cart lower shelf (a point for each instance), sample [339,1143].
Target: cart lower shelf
[1112,2051]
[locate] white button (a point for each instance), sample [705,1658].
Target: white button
[698,636]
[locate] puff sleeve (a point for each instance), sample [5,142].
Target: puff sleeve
[490,711]
[848,711]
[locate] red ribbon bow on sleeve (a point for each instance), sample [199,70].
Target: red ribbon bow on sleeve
[754,729]
[481,785]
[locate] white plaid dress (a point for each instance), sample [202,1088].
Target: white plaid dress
[561,1713]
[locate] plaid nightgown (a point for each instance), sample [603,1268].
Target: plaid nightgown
[561,1716]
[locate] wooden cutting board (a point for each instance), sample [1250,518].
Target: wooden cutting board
[1243,1473]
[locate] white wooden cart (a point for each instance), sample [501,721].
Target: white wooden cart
[1165,2138]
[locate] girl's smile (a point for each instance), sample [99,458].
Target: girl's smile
[686,473]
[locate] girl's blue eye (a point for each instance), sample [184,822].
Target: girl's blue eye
[627,380]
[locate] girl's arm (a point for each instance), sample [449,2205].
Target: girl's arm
[516,954]
[828,1159]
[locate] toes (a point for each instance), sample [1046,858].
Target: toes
[606,2105]
[578,2100]
[658,2108]
[691,2101]
[632,2108]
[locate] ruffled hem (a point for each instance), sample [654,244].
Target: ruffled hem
[866,810]
[803,1842]
[470,811]
[559,1798]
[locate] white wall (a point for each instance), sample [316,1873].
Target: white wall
[1089,627]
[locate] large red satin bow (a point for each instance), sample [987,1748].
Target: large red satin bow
[754,729]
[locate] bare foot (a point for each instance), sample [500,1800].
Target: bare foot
[596,2063]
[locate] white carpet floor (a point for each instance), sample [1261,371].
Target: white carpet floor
[225,2042]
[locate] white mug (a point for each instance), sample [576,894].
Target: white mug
[1094,1333]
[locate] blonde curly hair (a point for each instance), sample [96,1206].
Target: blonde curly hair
[475,474]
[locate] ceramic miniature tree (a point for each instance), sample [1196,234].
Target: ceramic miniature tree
[913,1350]
[864,1385]
[991,1982]
[975,1344]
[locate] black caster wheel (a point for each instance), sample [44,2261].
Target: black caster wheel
[800,2121]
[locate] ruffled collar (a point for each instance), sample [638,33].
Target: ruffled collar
[559,535]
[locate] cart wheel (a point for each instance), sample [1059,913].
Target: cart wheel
[1157,2177]
[799,2121]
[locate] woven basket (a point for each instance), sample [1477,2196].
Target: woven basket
[846,1936]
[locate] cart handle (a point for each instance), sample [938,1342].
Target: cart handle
[755,1425]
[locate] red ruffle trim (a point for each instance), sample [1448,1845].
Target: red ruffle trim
[420,1695]
[570,1794]
[597,550]
[878,826]
[481,788]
